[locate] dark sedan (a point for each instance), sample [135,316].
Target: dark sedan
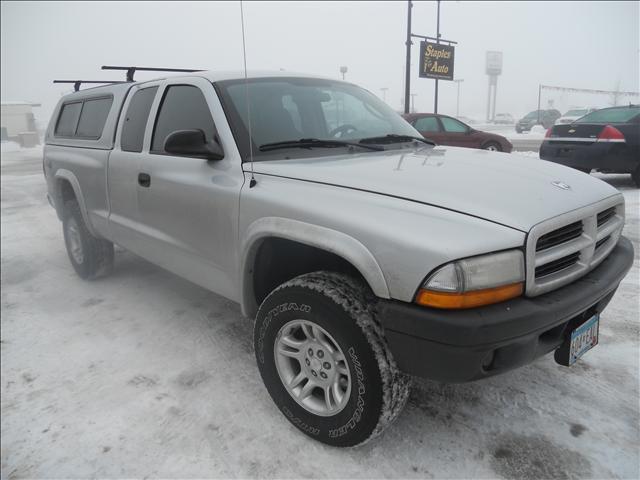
[606,140]
[546,118]
[446,130]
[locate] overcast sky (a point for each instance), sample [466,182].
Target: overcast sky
[573,44]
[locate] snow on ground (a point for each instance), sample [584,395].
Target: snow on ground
[145,374]
[9,147]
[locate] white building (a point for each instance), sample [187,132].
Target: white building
[18,122]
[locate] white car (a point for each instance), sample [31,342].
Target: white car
[574,114]
[504,119]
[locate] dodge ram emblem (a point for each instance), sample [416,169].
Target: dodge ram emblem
[561,185]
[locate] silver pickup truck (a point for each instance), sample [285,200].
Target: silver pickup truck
[366,253]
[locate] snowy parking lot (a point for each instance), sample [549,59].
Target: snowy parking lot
[143,374]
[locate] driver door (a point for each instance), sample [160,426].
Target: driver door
[188,207]
[457,133]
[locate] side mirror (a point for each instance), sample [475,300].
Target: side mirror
[193,143]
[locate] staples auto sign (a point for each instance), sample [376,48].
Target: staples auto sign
[436,60]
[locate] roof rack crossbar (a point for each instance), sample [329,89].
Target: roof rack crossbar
[132,70]
[77,83]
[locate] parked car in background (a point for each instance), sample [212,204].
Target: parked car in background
[504,119]
[606,140]
[574,114]
[546,118]
[467,120]
[445,130]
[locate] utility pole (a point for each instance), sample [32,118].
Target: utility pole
[458,81]
[435,100]
[539,94]
[413,106]
[384,93]
[407,75]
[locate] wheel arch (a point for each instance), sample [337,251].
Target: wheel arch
[67,182]
[312,240]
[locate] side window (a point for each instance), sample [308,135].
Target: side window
[93,117]
[183,108]
[68,120]
[136,119]
[452,125]
[427,124]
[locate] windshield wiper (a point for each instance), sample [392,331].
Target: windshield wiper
[395,138]
[314,142]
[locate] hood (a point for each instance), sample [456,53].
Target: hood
[508,189]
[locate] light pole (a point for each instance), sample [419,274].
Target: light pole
[413,106]
[343,70]
[458,81]
[384,93]
[407,68]
[435,97]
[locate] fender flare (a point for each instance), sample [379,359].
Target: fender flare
[64,174]
[323,238]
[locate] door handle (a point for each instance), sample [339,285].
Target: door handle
[144,180]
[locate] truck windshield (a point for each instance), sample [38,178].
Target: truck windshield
[290,109]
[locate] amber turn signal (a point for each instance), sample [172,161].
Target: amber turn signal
[475,298]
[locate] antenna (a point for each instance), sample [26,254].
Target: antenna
[253,181]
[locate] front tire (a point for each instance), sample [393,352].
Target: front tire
[91,257]
[492,146]
[324,360]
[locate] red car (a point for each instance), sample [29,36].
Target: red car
[445,130]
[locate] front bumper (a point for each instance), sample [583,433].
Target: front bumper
[465,345]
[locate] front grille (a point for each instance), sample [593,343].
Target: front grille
[564,248]
[561,235]
[605,216]
[557,265]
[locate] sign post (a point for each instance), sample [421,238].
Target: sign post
[436,59]
[493,69]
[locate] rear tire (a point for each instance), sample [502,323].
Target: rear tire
[635,176]
[328,316]
[91,257]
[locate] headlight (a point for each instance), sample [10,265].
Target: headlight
[475,281]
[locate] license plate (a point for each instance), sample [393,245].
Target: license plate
[582,339]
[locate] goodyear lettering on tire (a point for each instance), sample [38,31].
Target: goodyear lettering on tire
[274,312]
